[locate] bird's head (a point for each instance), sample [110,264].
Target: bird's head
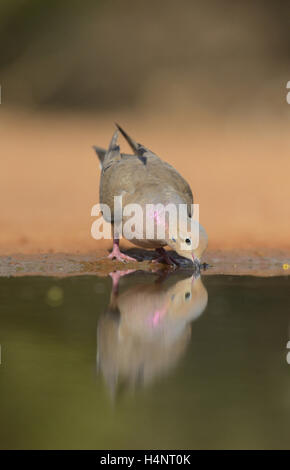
[190,244]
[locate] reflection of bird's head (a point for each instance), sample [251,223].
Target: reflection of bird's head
[188,298]
[147,330]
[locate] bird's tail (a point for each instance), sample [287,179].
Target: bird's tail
[101,154]
[107,157]
[138,149]
[134,145]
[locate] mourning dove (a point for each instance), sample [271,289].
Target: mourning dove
[147,326]
[143,178]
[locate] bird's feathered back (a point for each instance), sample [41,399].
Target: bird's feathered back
[139,178]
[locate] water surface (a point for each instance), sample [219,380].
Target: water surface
[156,363]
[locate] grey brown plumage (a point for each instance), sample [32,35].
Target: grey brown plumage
[144,178]
[139,182]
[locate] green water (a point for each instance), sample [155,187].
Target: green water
[152,365]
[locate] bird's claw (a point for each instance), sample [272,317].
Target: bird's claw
[121,257]
[164,257]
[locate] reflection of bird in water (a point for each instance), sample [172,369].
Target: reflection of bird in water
[147,327]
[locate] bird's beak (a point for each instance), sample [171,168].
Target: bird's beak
[196,262]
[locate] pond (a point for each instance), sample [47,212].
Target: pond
[176,362]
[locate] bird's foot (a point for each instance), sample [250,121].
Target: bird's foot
[164,257]
[118,256]
[163,260]
[116,276]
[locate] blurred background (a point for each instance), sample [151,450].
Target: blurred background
[202,83]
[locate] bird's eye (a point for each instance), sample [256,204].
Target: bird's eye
[187,295]
[188,241]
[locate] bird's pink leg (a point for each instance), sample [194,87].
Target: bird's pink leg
[164,257]
[116,276]
[116,253]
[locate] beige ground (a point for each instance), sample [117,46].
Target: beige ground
[239,172]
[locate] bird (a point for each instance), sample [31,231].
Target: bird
[144,178]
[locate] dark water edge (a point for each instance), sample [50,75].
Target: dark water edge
[84,368]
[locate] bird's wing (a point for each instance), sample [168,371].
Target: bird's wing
[175,181]
[142,176]
[165,171]
[155,182]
